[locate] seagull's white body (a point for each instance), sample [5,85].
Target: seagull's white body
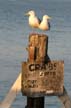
[33,20]
[45,25]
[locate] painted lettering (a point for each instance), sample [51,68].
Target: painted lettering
[33,67]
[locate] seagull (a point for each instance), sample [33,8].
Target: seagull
[45,24]
[33,20]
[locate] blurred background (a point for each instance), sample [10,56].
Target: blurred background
[14,33]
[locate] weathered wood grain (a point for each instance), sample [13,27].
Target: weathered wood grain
[37,48]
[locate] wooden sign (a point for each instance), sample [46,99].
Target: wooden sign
[42,79]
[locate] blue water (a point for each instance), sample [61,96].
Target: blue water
[14,33]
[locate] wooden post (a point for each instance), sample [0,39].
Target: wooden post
[37,48]
[37,102]
[37,52]
[40,75]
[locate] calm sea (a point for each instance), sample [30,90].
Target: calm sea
[14,33]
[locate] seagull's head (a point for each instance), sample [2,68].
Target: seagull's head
[46,17]
[32,12]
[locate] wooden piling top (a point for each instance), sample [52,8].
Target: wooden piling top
[37,48]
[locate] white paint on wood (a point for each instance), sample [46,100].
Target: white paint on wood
[49,91]
[15,89]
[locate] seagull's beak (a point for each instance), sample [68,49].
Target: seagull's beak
[26,14]
[49,17]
